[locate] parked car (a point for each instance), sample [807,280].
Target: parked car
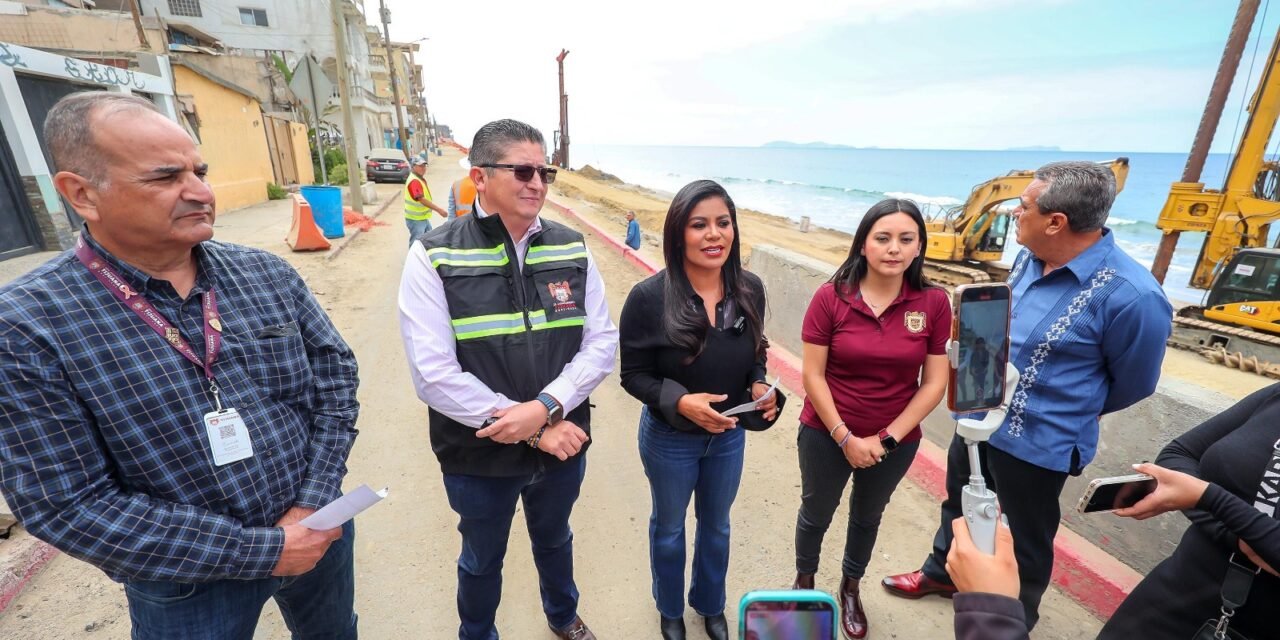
[386,165]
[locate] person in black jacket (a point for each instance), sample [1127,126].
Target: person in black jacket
[1213,474]
[693,345]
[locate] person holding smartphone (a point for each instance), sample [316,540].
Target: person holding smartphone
[875,365]
[1087,334]
[1223,476]
[693,345]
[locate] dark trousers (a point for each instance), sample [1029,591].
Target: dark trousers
[315,605]
[486,506]
[1028,497]
[824,473]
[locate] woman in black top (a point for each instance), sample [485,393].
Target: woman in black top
[693,345]
[1211,473]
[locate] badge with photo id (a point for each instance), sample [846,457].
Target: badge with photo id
[228,436]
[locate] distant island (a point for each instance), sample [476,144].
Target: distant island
[1036,147]
[805,145]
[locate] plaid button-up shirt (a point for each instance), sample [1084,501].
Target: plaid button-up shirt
[103,447]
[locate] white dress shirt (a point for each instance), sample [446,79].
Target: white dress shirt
[430,345]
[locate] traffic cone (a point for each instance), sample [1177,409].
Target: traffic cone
[304,235]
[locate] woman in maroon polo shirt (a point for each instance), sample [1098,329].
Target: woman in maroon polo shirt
[875,365]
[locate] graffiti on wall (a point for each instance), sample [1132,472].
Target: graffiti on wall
[9,58]
[102,74]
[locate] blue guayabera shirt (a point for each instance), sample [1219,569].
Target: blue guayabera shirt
[1088,339]
[103,448]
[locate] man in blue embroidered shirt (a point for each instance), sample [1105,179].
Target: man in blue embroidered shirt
[1087,333]
[170,406]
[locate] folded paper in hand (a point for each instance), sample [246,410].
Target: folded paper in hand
[751,406]
[338,512]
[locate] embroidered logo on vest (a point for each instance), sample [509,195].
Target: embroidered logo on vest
[563,296]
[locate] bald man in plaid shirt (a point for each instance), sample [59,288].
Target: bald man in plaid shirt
[170,406]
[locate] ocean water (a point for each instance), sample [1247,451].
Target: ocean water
[835,186]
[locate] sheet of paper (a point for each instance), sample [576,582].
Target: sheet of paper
[751,406]
[338,512]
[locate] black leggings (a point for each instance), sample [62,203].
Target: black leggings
[824,472]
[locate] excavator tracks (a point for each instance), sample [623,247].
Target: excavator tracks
[1235,347]
[951,275]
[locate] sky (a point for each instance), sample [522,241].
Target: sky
[1083,75]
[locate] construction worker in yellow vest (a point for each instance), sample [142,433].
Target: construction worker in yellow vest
[417,200]
[462,196]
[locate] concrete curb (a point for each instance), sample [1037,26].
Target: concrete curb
[24,557]
[1086,573]
[346,239]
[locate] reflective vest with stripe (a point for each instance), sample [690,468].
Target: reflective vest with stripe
[464,196]
[413,209]
[513,329]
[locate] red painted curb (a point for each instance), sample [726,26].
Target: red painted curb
[33,560]
[1087,574]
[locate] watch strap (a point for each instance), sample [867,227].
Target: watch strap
[555,411]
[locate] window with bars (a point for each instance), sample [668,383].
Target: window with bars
[253,17]
[185,8]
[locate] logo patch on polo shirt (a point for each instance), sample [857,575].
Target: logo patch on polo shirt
[915,321]
[563,295]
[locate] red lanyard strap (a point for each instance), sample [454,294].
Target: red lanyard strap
[152,316]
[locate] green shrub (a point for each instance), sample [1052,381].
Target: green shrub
[338,174]
[334,157]
[276,192]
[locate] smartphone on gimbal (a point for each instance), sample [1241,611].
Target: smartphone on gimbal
[980,329]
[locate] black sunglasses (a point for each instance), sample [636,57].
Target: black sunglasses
[524,172]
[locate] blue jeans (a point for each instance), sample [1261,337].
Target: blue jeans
[315,605]
[417,228]
[679,465]
[486,506]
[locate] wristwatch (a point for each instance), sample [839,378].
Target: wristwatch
[887,441]
[555,411]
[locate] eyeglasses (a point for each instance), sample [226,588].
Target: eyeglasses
[524,172]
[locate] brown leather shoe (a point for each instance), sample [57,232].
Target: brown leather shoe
[576,630]
[916,585]
[853,620]
[803,581]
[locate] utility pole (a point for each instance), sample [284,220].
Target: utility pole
[1227,66]
[563,159]
[355,170]
[391,68]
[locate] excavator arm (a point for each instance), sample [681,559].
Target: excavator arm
[959,235]
[1239,215]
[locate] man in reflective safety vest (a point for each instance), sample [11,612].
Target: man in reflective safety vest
[507,332]
[461,197]
[417,200]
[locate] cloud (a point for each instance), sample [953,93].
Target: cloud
[496,59]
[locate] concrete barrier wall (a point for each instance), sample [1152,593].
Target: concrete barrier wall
[1133,435]
[790,279]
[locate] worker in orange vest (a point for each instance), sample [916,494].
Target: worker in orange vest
[462,196]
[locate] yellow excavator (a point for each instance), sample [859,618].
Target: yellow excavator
[1239,324]
[967,241]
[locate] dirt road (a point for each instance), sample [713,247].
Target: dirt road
[405,547]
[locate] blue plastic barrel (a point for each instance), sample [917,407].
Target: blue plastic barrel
[326,207]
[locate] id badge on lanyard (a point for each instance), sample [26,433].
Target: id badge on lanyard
[228,436]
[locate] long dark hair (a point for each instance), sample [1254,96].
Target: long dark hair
[686,323]
[854,269]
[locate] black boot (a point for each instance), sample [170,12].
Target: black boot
[717,627]
[672,628]
[803,581]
